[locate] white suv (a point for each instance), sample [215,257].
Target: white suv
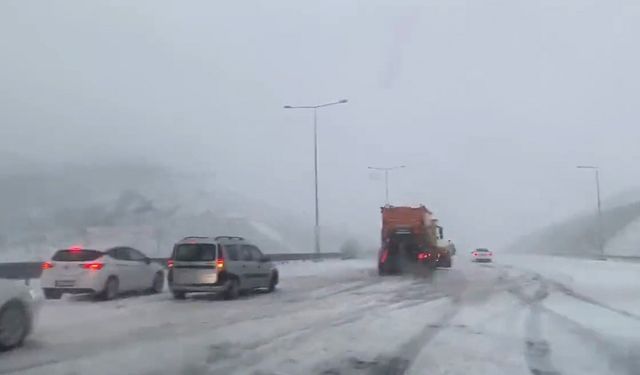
[102,273]
[224,264]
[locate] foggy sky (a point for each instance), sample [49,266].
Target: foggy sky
[490,104]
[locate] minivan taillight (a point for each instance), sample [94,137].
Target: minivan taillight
[95,266]
[170,263]
[220,263]
[47,266]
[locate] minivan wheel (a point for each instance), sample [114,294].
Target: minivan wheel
[158,283]
[233,291]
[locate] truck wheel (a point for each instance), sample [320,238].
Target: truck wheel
[382,271]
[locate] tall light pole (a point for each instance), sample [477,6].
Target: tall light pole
[315,108]
[600,234]
[386,179]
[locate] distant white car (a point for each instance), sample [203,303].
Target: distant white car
[18,308]
[102,273]
[482,255]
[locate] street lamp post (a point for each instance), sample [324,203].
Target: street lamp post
[315,161]
[386,179]
[600,234]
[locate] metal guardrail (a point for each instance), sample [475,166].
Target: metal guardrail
[32,270]
[624,258]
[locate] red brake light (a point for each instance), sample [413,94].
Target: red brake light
[170,263]
[95,266]
[75,248]
[47,266]
[422,256]
[475,254]
[385,254]
[220,263]
[220,260]
[490,253]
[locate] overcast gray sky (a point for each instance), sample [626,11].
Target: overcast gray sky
[490,104]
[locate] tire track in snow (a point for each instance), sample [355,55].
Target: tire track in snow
[620,358]
[402,358]
[537,350]
[572,293]
[256,352]
[274,306]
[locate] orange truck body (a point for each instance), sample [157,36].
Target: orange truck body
[409,237]
[418,220]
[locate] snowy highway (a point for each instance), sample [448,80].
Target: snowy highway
[520,315]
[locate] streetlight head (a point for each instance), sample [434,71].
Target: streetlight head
[343,101]
[287,107]
[586,167]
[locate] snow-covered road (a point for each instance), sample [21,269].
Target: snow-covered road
[522,315]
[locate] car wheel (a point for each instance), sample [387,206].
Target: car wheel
[158,283]
[14,325]
[52,294]
[272,283]
[179,295]
[233,291]
[110,289]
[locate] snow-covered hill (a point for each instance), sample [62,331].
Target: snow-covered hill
[140,205]
[579,236]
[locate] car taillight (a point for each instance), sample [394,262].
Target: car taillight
[95,266]
[475,254]
[170,263]
[490,254]
[47,266]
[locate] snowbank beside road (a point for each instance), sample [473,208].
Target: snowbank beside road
[325,267]
[613,284]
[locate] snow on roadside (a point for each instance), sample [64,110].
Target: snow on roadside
[599,294]
[626,241]
[325,267]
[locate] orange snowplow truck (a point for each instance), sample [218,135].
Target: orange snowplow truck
[410,241]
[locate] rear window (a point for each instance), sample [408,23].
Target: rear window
[76,255]
[483,250]
[194,252]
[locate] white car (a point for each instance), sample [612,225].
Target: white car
[18,307]
[482,255]
[102,273]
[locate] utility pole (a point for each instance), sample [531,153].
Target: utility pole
[315,108]
[386,179]
[599,205]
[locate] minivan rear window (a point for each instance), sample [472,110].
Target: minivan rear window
[76,255]
[194,252]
